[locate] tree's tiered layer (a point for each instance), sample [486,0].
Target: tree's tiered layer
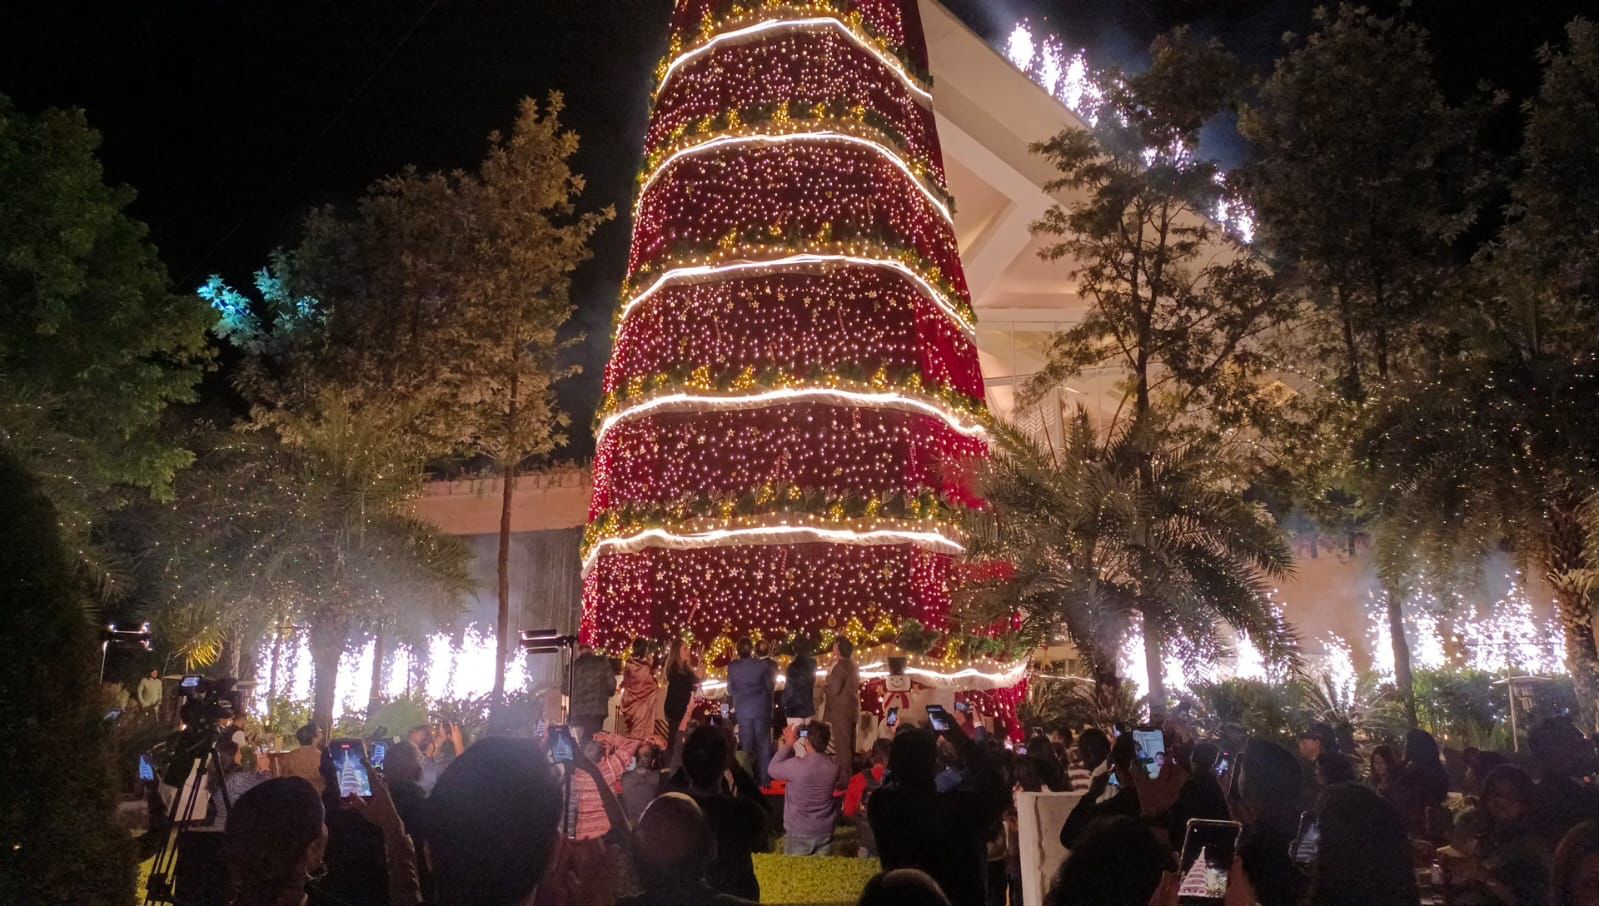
[794,400]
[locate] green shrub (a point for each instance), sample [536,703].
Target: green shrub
[59,841]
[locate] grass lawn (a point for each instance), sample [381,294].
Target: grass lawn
[812,880]
[785,880]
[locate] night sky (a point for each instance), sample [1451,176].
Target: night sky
[232,117]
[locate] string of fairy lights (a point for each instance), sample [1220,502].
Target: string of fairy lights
[794,404]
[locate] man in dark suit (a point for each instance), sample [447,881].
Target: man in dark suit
[751,681]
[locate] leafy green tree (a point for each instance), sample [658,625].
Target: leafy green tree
[444,297]
[1362,176]
[94,345]
[59,839]
[1497,444]
[1103,534]
[1175,303]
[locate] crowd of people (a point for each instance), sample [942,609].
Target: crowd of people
[673,804]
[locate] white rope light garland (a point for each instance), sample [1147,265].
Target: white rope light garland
[803,262]
[967,678]
[701,402]
[821,136]
[777,534]
[893,65]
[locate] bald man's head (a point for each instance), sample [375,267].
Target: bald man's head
[672,843]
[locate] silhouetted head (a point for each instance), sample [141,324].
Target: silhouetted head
[492,823]
[275,835]
[902,887]
[1332,768]
[1093,747]
[1117,862]
[913,757]
[672,844]
[403,763]
[706,755]
[1365,855]
[1271,783]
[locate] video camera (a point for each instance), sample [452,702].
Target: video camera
[207,703]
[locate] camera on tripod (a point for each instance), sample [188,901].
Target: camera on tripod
[207,703]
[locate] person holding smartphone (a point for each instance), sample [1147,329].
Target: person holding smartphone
[944,834]
[809,812]
[1100,801]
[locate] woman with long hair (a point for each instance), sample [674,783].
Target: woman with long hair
[1382,769]
[1364,856]
[1514,839]
[681,681]
[1422,784]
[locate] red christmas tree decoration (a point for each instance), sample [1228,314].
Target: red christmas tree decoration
[794,400]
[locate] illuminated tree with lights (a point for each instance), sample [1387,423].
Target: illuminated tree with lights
[94,344]
[794,396]
[1370,251]
[1497,445]
[1177,304]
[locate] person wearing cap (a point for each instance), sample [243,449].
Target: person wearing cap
[1316,742]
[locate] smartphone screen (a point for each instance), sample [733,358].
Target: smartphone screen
[349,766]
[562,747]
[1224,764]
[963,707]
[1021,750]
[146,769]
[1208,850]
[378,749]
[1151,751]
[938,717]
[1308,841]
[1112,781]
[893,717]
[726,710]
[804,733]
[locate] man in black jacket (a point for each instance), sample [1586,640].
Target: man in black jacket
[943,834]
[799,685]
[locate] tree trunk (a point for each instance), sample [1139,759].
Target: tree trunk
[502,624]
[1404,676]
[272,676]
[1155,664]
[374,696]
[1582,657]
[328,636]
[1353,388]
[227,664]
[1107,694]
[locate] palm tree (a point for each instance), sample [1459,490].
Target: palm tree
[1096,548]
[310,524]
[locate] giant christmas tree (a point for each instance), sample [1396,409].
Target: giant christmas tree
[794,402]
